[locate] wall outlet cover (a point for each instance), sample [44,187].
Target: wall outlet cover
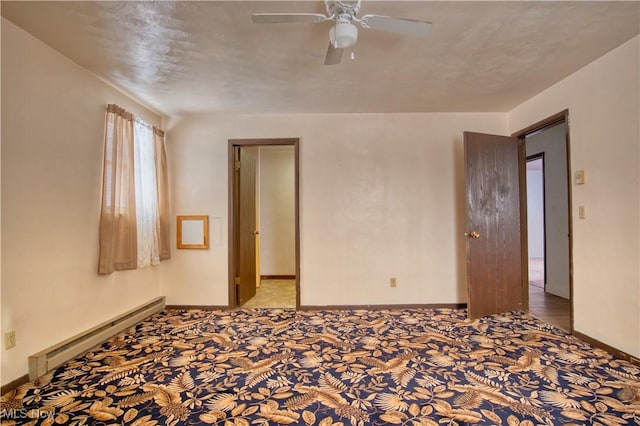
[9,339]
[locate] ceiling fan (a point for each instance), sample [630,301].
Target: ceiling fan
[344,33]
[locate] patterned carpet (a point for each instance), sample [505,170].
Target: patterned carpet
[270,367]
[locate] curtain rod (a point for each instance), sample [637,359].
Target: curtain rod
[116,109]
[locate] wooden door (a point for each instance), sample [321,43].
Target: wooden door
[246,267]
[495,269]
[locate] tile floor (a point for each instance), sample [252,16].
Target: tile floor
[274,294]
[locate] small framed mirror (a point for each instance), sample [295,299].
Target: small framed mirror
[193,232]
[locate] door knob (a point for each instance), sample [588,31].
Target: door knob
[472,234]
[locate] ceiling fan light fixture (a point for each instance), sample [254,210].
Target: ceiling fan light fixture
[343,35]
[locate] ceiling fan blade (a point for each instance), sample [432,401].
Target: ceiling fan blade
[396,25]
[334,56]
[287,18]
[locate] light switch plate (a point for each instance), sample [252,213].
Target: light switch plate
[10,339]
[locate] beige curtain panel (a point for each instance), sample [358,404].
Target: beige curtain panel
[123,228]
[163,195]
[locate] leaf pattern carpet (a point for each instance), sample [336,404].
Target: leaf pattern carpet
[358,367]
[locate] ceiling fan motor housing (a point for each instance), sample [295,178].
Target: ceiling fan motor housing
[343,34]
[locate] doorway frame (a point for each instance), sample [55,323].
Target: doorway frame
[233,214]
[562,116]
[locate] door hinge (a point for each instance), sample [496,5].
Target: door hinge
[237,280]
[237,165]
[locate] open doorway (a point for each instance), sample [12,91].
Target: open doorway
[548,224]
[535,220]
[264,223]
[276,258]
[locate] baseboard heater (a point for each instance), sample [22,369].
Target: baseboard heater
[48,359]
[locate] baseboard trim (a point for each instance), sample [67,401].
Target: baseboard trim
[383,307]
[329,307]
[197,307]
[11,386]
[610,349]
[277,277]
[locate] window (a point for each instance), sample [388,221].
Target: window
[134,220]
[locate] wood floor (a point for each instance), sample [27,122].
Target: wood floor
[547,307]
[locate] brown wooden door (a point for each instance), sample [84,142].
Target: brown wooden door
[495,275]
[247,231]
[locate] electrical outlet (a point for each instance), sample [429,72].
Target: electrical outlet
[392,281]
[9,339]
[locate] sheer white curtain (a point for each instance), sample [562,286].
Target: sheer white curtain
[147,216]
[134,221]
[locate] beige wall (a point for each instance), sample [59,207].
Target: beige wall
[52,143]
[381,196]
[603,100]
[277,210]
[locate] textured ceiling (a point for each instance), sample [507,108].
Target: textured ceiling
[208,57]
